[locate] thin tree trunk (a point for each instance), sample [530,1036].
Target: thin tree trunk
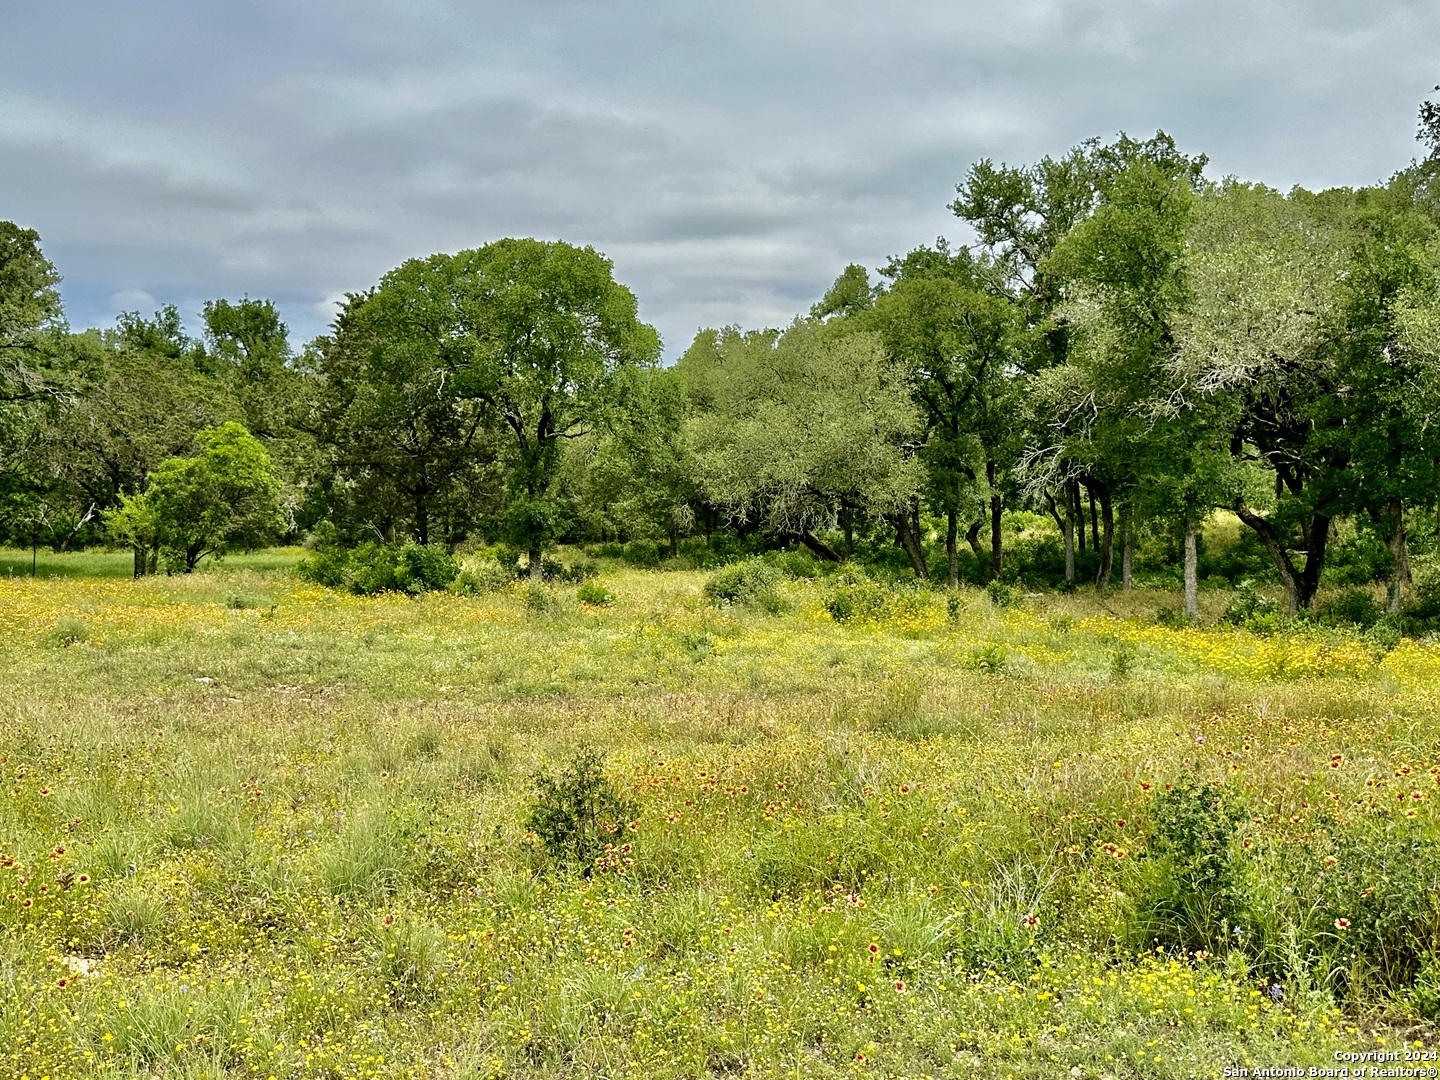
[1300,585]
[1068,529]
[1094,523]
[537,567]
[1127,581]
[847,522]
[1107,540]
[1400,552]
[909,540]
[952,547]
[997,538]
[140,554]
[1077,515]
[1192,583]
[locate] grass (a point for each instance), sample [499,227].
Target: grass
[251,827]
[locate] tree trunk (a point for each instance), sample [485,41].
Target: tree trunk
[537,565]
[1107,539]
[1300,585]
[952,552]
[1077,515]
[847,522]
[1192,582]
[1068,529]
[909,540]
[1400,552]
[140,554]
[1094,523]
[674,542]
[1127,582]
[815,544]
[972,537]
[997,539]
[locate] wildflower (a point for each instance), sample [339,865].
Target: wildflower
[1342,924]
[1030,921]
[900,986]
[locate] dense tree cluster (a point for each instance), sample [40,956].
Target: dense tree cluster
[1128,346]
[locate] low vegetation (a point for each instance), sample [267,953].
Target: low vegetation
[254,826]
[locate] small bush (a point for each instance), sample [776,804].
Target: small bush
[988,658]
[858,600]
[592,592]
[1353,607]
[576,814]
[1001,594]
[1251,608]
[480,576]
[373,568]
[1192,896]
[537,598]
[69,632]
[752,583]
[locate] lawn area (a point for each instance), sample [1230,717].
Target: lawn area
[254,827]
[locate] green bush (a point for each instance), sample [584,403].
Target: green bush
[752,583]
[1001,594]
[592,592]
[1353,607]
[373,568]
[858,600]
[1250,607]
[577,813]
[480,576]
[1192,895]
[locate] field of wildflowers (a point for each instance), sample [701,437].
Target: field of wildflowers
[251,827]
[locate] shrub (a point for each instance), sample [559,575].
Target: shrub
[751,583]
[592,592]
[1001,594]
[1192,896]
[1353,607]
[1251,608]
[480,576]
[374,568]
[577,813]
[858,600]
[69,632]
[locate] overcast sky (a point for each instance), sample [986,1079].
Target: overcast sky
[730,158]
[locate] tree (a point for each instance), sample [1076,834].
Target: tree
[1264,319]
[948,321]
[1022,215]
[535,332]
[788,428]
[198,506]
[1124,271]
[29,305]
[400,452]
[135,395]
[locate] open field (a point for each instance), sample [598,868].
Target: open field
[252,827]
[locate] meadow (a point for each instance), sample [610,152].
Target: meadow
[253,827]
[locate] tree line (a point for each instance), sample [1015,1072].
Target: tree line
[1128,344]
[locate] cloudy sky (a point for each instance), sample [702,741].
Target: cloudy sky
[730,158]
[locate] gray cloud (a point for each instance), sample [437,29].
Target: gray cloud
[729,158]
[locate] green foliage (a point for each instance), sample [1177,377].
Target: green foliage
[1001,594]
[69,632]
[1252,609]
[752,583]
[592,592]
[1353,607]
[578,812]
[484,575]
[857,599]
[197,506]
[1192,894]
[374,568]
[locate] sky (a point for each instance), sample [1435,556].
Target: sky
[729,158]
